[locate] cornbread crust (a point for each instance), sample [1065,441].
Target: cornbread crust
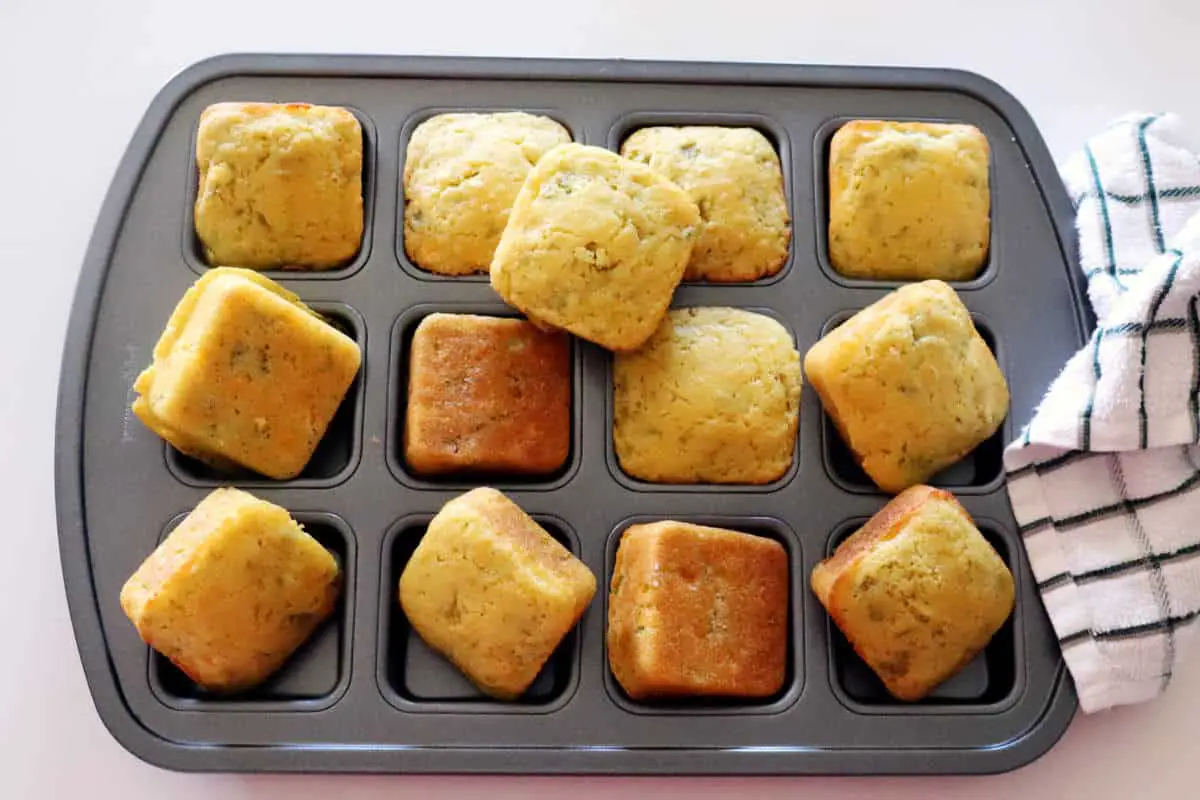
[908,200]
[493,592]
[462,173]
[909,383]
[734,176]
[232,591]
[245,374]
[487,394]
[917,591]
[713,397]
[280,185]
[595,245]
[695,610]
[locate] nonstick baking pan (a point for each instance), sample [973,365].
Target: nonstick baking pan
[365,694]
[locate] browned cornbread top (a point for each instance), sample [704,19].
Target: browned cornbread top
[462,172]
[280,185]
[910,384]
[232,591]
[245,374]
[734,175]
[489,394]
[595,245]
[712,397]
[908,200]
[492,591]
[697,610]
[917,591]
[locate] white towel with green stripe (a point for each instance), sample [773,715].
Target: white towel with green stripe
[1104,481]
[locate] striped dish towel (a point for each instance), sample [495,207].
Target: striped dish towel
[1105,479]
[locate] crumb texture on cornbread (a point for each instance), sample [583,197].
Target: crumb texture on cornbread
[280,185]
[918,591]
[909,383]
[487,394]
[493,592]
[232,591]
[698,611]
[734,176]
[244,374]
[713,397]
[462,172]
[909,200]
[596,245]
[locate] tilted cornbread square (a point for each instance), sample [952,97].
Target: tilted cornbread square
[462,172]
[735,178]
[245,375]
[231,593]
[700,611]
[487,394]
[596,245]
[493,592]
[280,185]
[909,201]
[909,383]
[713,397]
[918,591]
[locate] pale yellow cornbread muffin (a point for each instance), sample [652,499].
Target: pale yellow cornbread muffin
[908,200]
[734,176]
[713,397]
[280,185]
[245,374]
[595,245]
[918,591]
[493,592]
[697,611]
[909,383]
[487,394]
[232,591]
[462,172]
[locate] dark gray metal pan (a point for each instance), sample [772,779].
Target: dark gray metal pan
[366,695]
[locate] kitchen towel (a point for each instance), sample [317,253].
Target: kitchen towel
[1105,479]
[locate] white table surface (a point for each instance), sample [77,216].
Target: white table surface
[74,82]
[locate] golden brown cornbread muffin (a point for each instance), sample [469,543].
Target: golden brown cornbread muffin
[462,173]
[595,245]
[735,178]
[493,592]
[909,383]
[713,397]
[698,611]
[918,591]
[231,593]
[908,201]
[245,374]
[487,394]
[280,185]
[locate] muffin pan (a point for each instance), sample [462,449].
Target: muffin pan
[365,694]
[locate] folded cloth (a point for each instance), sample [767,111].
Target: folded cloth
[1104,481]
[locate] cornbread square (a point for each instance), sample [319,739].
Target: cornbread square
[280,185]
[245,375]
[595,245]
[713,397]
[909,384]
[487,394]
[908,201]
[493,592]
[462,173]
[918,591]
[232,591]
[735,178]
[695,610]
